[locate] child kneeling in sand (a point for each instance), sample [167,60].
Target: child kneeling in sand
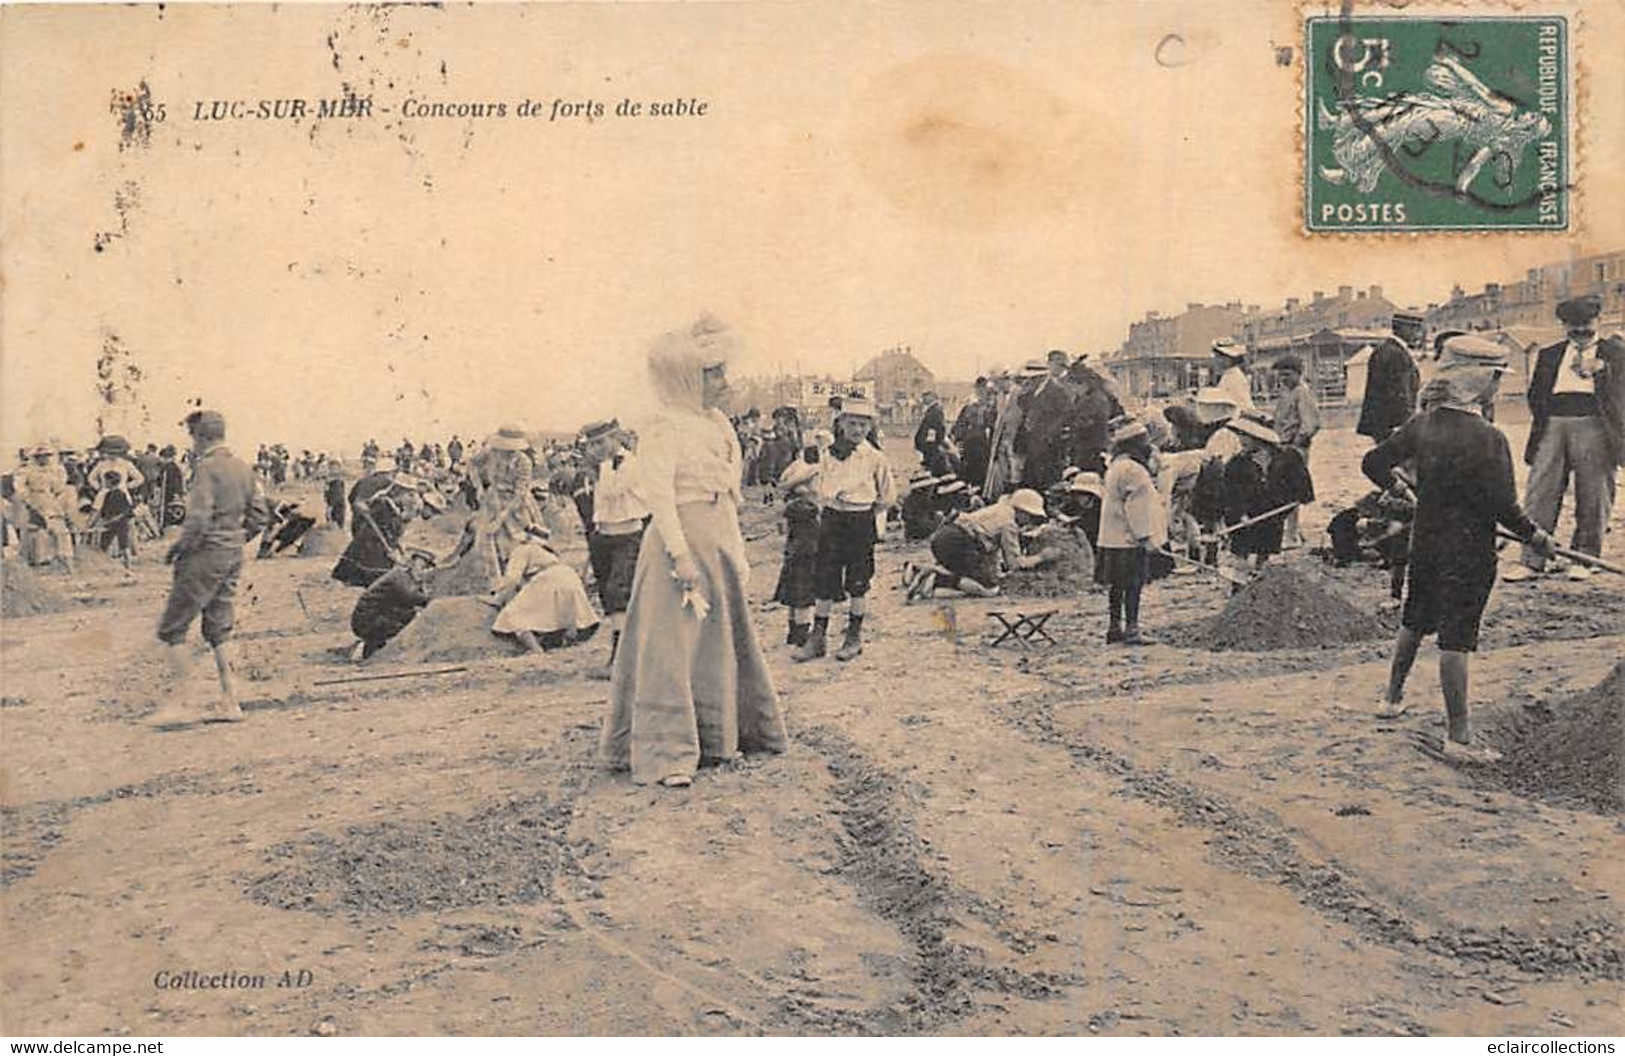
[973,550]
[392,601]
[542,600]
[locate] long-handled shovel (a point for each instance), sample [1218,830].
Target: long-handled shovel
[1228,577]
[1279,511]
[1579,558]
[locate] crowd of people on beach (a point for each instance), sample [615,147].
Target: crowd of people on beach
[1042,482]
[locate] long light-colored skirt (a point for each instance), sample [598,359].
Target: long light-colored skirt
[687,689]
[552,600]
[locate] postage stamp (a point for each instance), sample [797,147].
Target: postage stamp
[1431,124]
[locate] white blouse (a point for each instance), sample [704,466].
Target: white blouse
[683,458]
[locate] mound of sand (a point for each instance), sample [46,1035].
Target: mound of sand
[1071,575]
[324,540]
[1288,608]
[439,533]
[25,593]
[1572,753]
[449,630]
[473,573]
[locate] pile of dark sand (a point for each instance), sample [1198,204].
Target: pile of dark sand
[1072,575]
[449,630]
[27,594]
[1571,753]
[1288,607]
[324,540]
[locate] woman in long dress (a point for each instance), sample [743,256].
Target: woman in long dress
[690,683]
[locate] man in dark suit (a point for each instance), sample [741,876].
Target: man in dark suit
[1576,429]
[1391,380]
[931,438]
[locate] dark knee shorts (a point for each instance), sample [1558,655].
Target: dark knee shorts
[1448,600]
[614,560]
[205,584]
[961,553]
[846,555]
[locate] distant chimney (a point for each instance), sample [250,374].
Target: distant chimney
[1320,295]
[1376,292]
[1193,306]
[1457,293]
[1493,289]
[1253,309]
[1360,296]
[1291,304]
[1345,292]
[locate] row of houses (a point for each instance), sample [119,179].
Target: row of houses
[896,380]
[1167,355]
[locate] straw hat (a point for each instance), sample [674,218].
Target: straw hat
[1230,349]
[508,438]
[1028,501]
[1034,367]
[857,407]
[1253,428]
[1087,484]
[1214,405]
[1125,429]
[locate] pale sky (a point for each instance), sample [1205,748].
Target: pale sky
[982,182]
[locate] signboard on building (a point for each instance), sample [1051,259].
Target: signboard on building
[815,392]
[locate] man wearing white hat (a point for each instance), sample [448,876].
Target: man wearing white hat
[855,488]
[1230,365]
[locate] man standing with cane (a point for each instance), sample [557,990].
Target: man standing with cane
[228,508]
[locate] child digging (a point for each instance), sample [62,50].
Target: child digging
[1464,488]
[798,583]
[1131,526]
[855,485]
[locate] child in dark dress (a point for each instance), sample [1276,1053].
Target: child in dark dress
[798,585]
[1263,478]
[115,513]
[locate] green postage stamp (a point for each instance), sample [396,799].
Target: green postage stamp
[1435,124]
